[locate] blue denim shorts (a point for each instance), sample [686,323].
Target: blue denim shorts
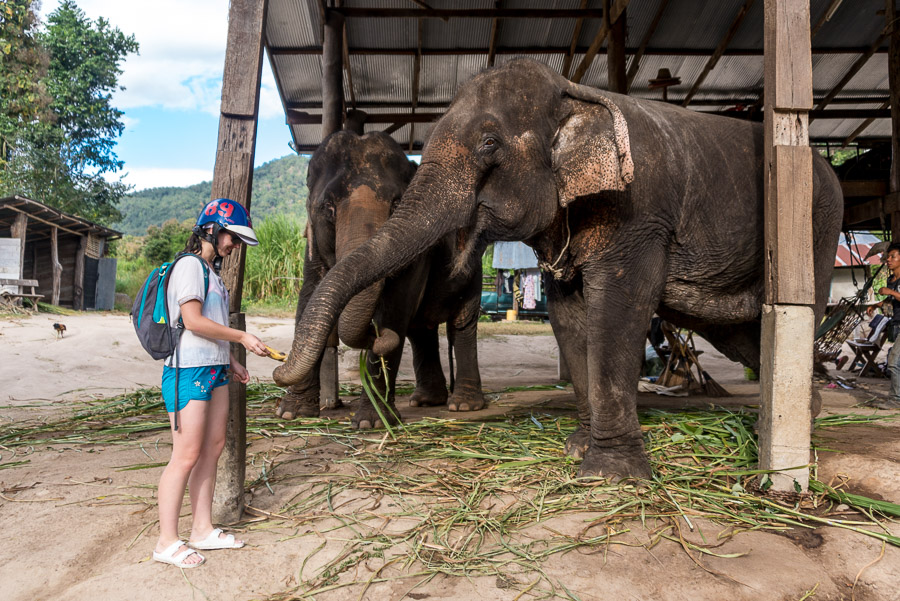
[194,384]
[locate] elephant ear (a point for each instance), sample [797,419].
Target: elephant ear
[589,155]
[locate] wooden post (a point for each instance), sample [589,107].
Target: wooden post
[332,73]
[615,56]
[78,287]
[19,230]
[892,14]
[233,179]
[56,265]
[787,320]
[332,111]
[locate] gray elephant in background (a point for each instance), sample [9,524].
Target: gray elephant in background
[354,182]
[632,206]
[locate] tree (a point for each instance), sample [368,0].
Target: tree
[23,64]
[163,243]
[61,158]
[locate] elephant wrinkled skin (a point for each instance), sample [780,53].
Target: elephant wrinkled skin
[633,206]
[353,182]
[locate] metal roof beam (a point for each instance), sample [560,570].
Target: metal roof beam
[300,118]
[296,117]
[308,50]
[702,102]
[852,72]
[864,126]
[720,49]
[476,13]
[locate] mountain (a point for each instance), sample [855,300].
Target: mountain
[279,187]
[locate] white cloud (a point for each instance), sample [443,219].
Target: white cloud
[155,177]
[182,50]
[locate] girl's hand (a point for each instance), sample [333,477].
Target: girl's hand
[254,345]
[240,372]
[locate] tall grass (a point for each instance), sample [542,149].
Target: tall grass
[274,269]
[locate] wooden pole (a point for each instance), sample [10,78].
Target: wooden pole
[19,230]
[78,286]
[56,265]
[233,179]
[787,319]
[332,73]
[615,56]
[332,112]
[892,15]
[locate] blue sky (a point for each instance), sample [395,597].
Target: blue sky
[173,89]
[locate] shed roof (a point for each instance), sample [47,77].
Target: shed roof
[42,218]
[457,38]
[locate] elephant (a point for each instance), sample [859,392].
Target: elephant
[354,181]
[632,206]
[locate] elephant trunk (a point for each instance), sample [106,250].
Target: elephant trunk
[357,220]
[437,202]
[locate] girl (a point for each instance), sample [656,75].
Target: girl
[200,417]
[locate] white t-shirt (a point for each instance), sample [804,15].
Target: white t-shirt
[185,284]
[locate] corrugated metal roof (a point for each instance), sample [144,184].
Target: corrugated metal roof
[382,54]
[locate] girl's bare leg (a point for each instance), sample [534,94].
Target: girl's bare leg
[187,443]
[202,482]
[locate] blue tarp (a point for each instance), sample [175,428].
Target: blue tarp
[513,255]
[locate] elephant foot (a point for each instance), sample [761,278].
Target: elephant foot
[367,418]
[466,399]
[294,405]
[423,397]
[615,463]
[577,442]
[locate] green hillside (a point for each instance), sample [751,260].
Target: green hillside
[279,188]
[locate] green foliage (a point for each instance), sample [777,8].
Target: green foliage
[163,243]
[274,269]
[279,188]
[841,155]
[486,260]
[23,64]
[59,156]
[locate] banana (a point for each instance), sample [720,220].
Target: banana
[278,356]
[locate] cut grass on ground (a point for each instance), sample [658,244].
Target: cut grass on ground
[473,498]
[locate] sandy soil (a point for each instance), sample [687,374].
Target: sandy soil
[76,526]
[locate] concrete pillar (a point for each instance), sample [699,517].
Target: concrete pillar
[784,414]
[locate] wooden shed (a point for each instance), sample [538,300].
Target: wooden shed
[64,253]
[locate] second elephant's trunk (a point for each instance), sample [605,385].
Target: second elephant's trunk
[438,201]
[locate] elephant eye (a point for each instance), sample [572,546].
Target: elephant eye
[489,142]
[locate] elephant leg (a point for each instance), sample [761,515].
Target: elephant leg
[431,386]
[301,399]
[620,297]
[367,415]
[467,394]
[565,304]
[739,342]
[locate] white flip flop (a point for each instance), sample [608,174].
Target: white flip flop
[212,542]
[169,556]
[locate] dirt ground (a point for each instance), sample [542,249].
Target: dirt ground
[77,526]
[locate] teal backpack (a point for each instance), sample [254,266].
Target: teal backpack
[150,315]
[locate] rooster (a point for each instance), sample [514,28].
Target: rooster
[60,329]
